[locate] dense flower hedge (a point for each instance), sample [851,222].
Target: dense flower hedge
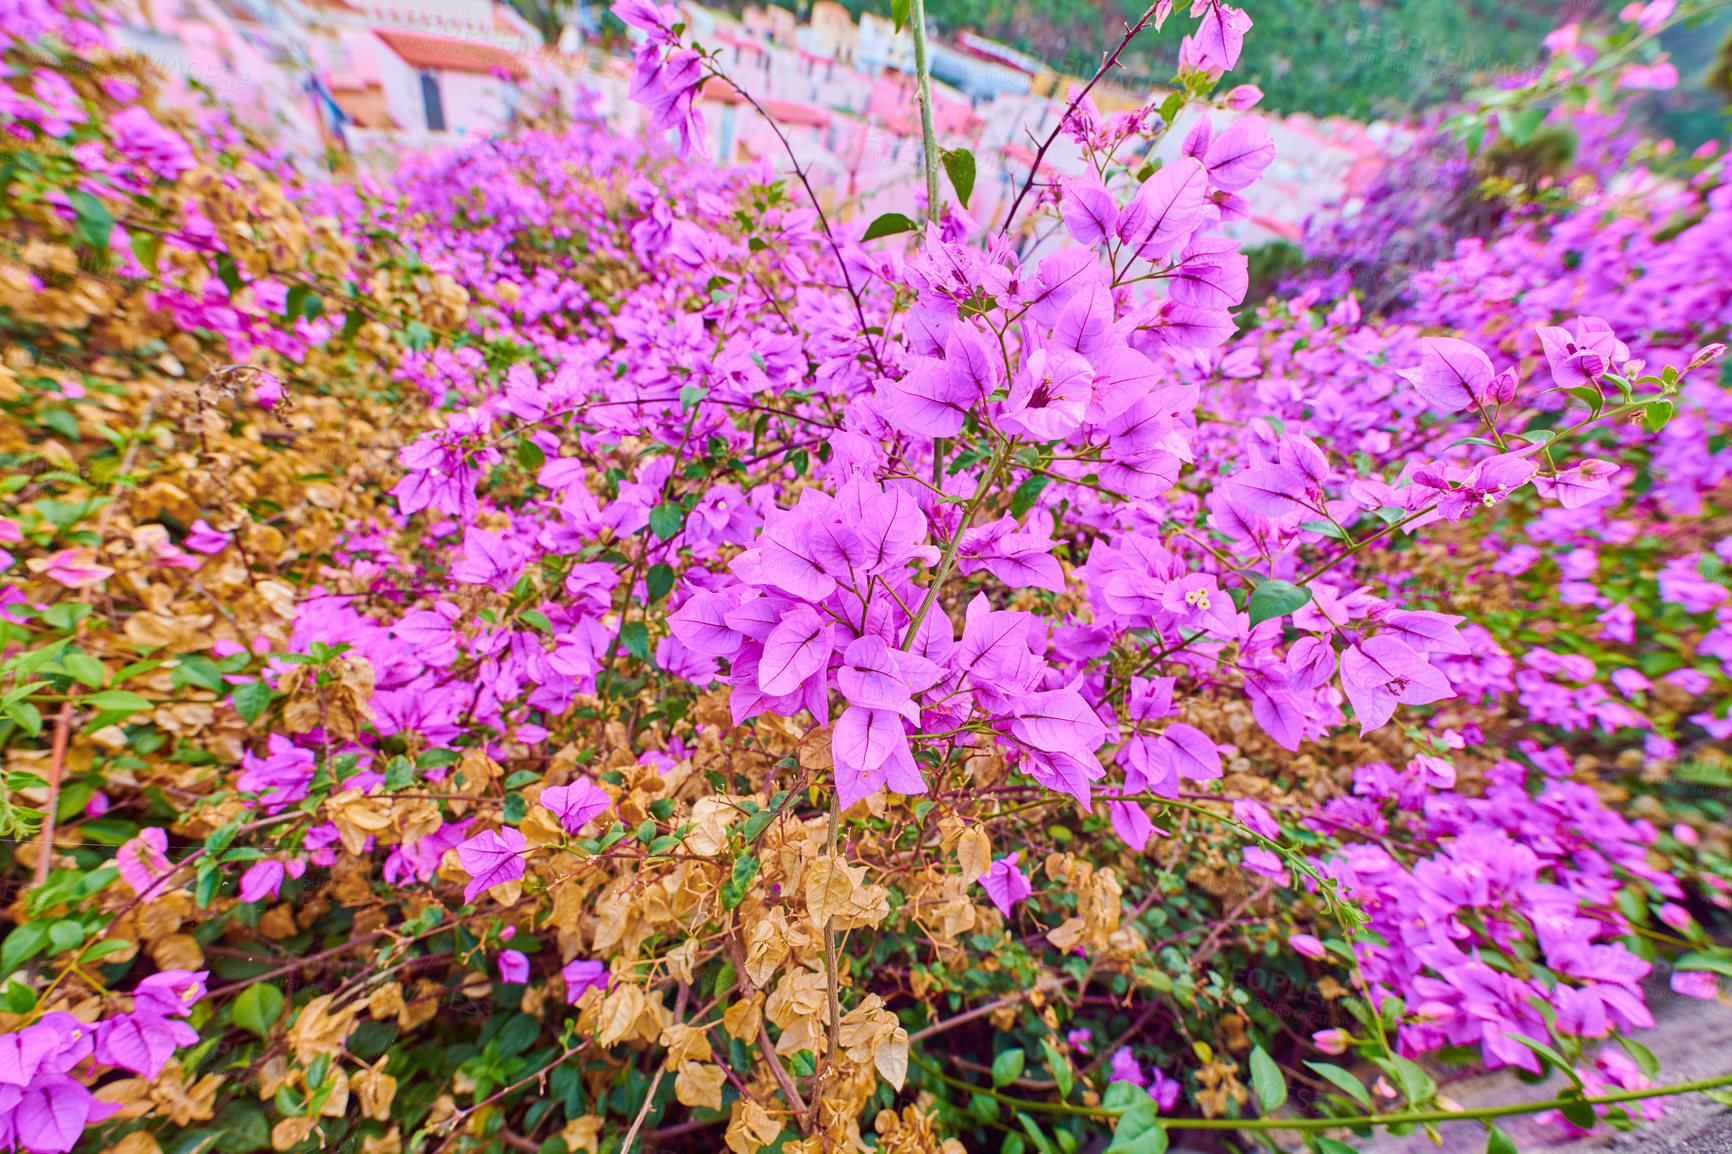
[570,647]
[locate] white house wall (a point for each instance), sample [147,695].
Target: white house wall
[474,102]
[402,85]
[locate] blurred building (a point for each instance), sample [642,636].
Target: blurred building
[378,76]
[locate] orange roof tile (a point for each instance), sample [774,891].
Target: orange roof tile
[791,112]
[720,91]
[447,54]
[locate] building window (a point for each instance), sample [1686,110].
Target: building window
[430,98]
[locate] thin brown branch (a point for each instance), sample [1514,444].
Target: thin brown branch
[823,220]
[56,766]
[964,1018]
[1107,65]
[643,1111]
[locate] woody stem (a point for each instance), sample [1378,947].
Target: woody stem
[830,958]
[923,88]
[949,560]
[56,766]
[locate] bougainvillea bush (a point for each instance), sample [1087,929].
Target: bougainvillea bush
[572,648]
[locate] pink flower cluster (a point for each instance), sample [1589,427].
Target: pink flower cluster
[43,1107]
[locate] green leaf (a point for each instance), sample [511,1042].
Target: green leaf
[1696,960]
[899,10]
[1345,1079]
[890,223]
[28,717]
[1334,1146]
[96,951]
[197,669]
[1527,122]
[1276,599]
[109,831]
[1588,396]
[734,889]
[1123,1096]
[66,614]
[634,635]
[290,1102]
[659,582]
[1497,1142]
[530,455]
[208,881]
[1266,1078]
[1324,528]
[1644,1057]
[1007,1067]
[22,944]
[1035,1134]
[691,396]
[1060,1067]
[251,699]
[538,619]
[1139,1131]
[666,519]
[756,824]
[61,422]
[1577,1110]
[95,222]
[257,1009]
[20,779]
[85,668]
[145,247]
[1724,1097]
[134,669]
[724,980]
[35,659]
[1027,494]
[1545,1052]
[220,839]
[65,934]
[244,1127]
[22,691]
[74,796]
[959,164]
[118,699]
[18,998]
[229,273]
[1415,1082]
[198,1141]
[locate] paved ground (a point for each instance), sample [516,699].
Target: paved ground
[1692,1039]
